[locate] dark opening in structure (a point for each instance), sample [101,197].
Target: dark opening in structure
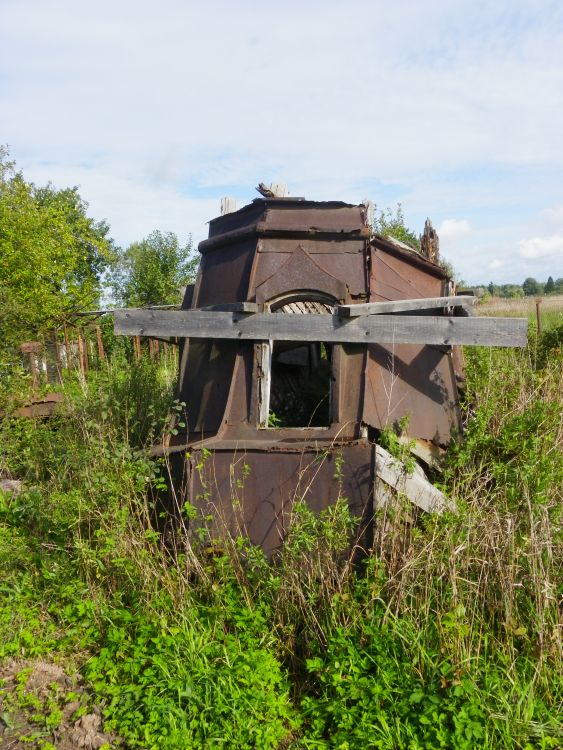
[300,387]
[300,375]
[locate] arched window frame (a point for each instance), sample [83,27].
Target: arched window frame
[264,353]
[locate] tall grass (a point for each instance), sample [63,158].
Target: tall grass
[550,309]
[447,635]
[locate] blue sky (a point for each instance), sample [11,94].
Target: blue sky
[157,110]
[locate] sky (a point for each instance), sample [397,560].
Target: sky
[157,110]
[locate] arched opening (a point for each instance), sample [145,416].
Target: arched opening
[298,375]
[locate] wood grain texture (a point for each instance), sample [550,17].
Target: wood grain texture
[414,485]
[382,329]
[404,305]
[246,307]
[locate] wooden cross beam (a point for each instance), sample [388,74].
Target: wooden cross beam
[404,305]
[365,329]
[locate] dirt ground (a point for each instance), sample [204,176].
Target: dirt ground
[43,708]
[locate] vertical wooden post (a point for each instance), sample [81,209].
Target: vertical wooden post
[101,352]
[538,316]
[57,352]
[137,347]
[67,346]
[82,356]
[32,351]
[153,348]
[52,358]
[34,371]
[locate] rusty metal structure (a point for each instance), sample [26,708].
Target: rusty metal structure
[271,417]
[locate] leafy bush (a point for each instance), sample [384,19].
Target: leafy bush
[447,635]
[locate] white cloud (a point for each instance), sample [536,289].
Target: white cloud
[158,110]
[541,247]
[554,217]
[134,207]
[496,263]
[451,230]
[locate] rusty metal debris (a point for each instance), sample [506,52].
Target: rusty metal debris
[276,412]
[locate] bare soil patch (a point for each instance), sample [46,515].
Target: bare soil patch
[42,707]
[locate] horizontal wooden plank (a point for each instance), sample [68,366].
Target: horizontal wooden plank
[379,329]
[246,307]
[404,305]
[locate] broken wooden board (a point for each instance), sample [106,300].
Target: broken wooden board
[414,485]
[367,329]
[429,453]
[403,305]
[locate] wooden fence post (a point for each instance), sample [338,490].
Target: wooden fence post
[67,346]
[101,352]
[32,349]
[82,356]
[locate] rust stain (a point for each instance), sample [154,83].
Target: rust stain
[244,464]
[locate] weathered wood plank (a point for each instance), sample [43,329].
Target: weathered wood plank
[404,305]
[379,329]
[415,485]
[246,307]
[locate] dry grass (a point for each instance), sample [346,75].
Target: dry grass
[523,307]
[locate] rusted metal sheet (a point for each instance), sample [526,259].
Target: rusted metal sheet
[204,382]
[408,381]
[333,217]
[414,383]
[300,272]
[247,216]
[224,275]
[242,463]
[341,258]
[251,492]
[341,245]
[38,408]
[394,277]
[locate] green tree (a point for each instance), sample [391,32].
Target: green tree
[52,255]
[391,223]
[510,291]
[531,287]
[549,287]
[153,271]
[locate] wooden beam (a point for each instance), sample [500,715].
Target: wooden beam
[246,307]
[404,305]
[414,485]
[368,329]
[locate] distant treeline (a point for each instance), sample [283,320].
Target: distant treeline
[529,288]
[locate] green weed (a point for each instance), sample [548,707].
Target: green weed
[447,635]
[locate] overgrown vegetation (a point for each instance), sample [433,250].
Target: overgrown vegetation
[447,635]
[153,271]
[56,262]
[391,223]
[51,257]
